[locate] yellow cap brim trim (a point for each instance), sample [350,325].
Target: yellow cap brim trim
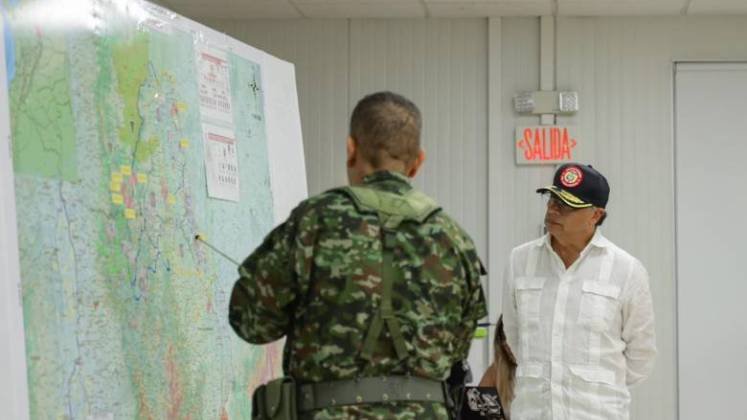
[568,198]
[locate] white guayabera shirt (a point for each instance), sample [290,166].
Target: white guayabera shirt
[581,335]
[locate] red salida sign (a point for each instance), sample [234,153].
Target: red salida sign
[545,144]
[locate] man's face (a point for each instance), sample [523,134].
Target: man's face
[563,220]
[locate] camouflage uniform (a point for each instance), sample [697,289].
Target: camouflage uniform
[316,278]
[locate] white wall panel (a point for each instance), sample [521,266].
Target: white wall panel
[520,210]
[442,66]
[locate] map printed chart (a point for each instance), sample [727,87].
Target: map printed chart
[125,315]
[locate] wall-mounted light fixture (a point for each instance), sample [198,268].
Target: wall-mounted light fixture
[546,102]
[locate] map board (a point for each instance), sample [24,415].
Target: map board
[125,130]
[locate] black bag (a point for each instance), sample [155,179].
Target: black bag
[275,400]
[481,403]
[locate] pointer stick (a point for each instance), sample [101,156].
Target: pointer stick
[199,238]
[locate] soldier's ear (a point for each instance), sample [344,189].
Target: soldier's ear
[416,164]
[352,148]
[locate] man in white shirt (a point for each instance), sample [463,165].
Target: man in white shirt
[577,310]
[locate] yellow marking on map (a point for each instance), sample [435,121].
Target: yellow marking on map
[183,272]
[117,198]
[115,186]
[117,177]
[181,107]
[168,76]
[129,214]
[171,199]
[184,143]
[142,178]
[126,170]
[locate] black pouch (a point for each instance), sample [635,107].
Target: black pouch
[275,400]
[481,403]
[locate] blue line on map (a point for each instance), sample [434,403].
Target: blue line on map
[10,45]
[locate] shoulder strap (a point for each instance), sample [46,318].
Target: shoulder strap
[385,315]
[392,209]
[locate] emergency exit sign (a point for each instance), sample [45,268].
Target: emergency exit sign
[546,144]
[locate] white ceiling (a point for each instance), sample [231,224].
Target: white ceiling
[269,9]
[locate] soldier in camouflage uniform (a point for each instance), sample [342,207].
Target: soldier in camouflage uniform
[360,291]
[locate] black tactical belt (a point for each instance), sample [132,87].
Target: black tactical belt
[371,391]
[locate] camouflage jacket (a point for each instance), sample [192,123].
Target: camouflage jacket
[316,279]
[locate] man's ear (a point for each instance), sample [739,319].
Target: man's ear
[352,148]
[416,164]
[598,215]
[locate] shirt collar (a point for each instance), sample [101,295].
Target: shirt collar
[598,240]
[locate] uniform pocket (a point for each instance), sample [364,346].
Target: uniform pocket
[528,294]
[532,392]
[599,302]
[595,394]
[593,374]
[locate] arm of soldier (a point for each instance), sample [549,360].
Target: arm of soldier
[273,277]
[638,326]
[258,307]
[509,309]
[474,306]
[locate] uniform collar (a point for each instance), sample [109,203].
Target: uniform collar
[379,176]
[388,181]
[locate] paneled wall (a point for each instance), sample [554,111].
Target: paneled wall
[463,74]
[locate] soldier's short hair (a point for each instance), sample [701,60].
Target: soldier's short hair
[386,126]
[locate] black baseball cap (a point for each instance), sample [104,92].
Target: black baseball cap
[579,186]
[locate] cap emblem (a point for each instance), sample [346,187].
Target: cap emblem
[571,177]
